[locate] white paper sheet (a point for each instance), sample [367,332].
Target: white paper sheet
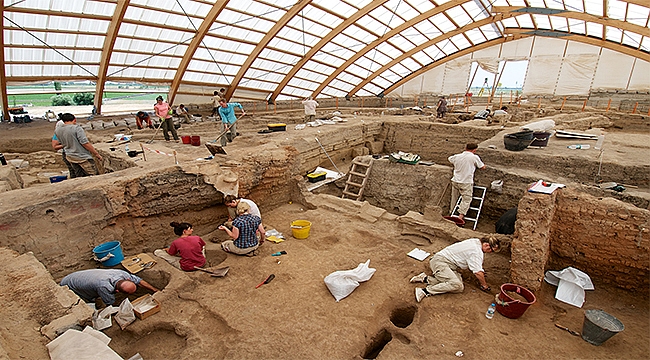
[538,187]
[418,254]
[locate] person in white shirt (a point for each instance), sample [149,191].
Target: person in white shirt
[502,111]
[445,278]
[310,109]
[462,183]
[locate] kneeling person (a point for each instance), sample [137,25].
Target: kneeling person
[103,283]
[467,254]
[244,232]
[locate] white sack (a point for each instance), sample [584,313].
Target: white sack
[102,319]
[343,282]
[571,285]
[125,315]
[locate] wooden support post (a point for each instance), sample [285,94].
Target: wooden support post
[584,105]
[563,101]
[635,106]
[609,103]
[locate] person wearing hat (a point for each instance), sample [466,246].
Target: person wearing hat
[467,254]
[162,110]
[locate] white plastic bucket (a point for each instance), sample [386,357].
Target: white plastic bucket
[497,186]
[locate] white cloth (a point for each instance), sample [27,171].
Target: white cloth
[310,106]
[571,285]
[467,254]
[465,164]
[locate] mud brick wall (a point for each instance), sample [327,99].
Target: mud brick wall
[606,238]
[400,188]
[530,247]
[432,141]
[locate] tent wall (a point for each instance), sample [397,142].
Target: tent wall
[556,67]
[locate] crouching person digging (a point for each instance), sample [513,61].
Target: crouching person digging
[467,254]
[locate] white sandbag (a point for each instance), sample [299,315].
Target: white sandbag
[125,316]
[343,282]
[539,126]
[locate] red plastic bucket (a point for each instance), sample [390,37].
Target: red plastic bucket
[511,308]
[460,222]
[196,140]
[186,139]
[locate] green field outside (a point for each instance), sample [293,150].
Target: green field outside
[45,99]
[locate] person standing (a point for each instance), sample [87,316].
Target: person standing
[162,110]
[442,107]
[228,119]
[462,182]
[78,150]
[103,283]
[215,102]
[244,233]
[56,144]
[186,252]
[445,278]
[310,109]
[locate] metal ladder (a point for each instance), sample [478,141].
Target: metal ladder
[356,180]
[475,199]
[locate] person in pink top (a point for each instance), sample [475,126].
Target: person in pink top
[186,252]
[162,110]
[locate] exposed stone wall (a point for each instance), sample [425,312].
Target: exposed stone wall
[432,141]
[400,188]
[530,246]
[604,237]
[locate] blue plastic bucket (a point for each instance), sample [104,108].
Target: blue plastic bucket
[109,254]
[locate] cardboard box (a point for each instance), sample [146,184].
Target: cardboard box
[148,311]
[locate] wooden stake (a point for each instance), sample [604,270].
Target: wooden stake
[539,102]
[501,100]
[584,105]
[635,106]
[337,103]
[563,101]
[609,103]
[275,107]
[143,152]
[175,159]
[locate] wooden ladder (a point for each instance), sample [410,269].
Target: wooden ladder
[356,180]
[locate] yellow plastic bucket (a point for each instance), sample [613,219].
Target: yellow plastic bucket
[300,229]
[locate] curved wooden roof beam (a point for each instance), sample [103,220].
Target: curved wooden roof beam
[107,51]
[3,74]
[424,46]
[384,38]
[297,8]
[194,44]
[324,41]
[520,10]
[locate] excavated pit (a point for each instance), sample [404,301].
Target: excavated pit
[137,199]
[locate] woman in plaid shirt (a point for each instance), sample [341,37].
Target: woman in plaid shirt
[244,232]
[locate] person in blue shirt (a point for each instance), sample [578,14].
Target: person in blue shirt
[228,119]
[94,284]
[244,232]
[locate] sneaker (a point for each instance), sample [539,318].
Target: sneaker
[419,278]
[420,294]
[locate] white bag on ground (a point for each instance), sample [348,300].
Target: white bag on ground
[343,282]
[125,315]
[102,319]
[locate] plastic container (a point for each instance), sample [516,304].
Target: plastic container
[578,146]
[540,139]
[58,178]
[497,186]
[109,254]
[490,311]
[599,326]
[300,229]
[196,140]
[316,177]
[277,127]
[460,222]
[510,307]
[186,139]
[518,141]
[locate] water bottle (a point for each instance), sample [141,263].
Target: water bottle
[490,311]
[578,146]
